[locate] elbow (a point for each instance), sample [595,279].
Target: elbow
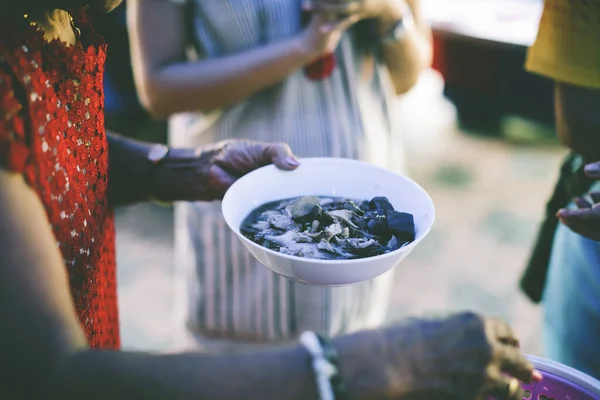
[156,109]
[153,95]
[404,84]
[161,101]
[407,80]
[154,103]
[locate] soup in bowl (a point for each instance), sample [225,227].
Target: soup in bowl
[360,220]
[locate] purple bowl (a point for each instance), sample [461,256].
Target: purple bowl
[561,383]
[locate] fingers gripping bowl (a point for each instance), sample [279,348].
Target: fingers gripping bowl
[330,177]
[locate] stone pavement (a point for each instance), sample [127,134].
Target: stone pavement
[489,197]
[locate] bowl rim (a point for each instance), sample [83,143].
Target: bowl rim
[582,379]
[322,262]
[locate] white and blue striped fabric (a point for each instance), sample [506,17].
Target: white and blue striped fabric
[228,294]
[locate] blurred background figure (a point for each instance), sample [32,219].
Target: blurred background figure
[249,80]
[124,112]
[565,268]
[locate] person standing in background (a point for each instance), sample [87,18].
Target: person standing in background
[564,270]
[123,110]
[275,71]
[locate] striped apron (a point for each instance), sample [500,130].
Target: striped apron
[225,293]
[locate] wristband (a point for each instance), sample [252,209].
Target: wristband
[331,354]
[325,366]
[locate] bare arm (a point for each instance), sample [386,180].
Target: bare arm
[168,84]
[44,350]
[408,57]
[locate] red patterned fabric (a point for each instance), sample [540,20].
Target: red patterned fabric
[321,69]
[52,132]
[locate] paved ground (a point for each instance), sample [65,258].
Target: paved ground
[488,193]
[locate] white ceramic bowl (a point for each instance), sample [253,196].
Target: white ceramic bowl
[327,177]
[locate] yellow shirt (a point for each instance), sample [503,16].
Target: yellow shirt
[567,48]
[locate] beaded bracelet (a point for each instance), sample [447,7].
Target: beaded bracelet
[325,366]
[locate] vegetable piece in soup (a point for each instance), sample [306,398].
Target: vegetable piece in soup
[329,228]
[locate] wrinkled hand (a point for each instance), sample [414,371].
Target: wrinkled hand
[464,356]
[205,174]
[585,220]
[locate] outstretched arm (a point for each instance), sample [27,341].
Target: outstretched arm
[45,355]
[196,174]
[44,351]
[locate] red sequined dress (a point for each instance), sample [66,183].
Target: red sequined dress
[52,132]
